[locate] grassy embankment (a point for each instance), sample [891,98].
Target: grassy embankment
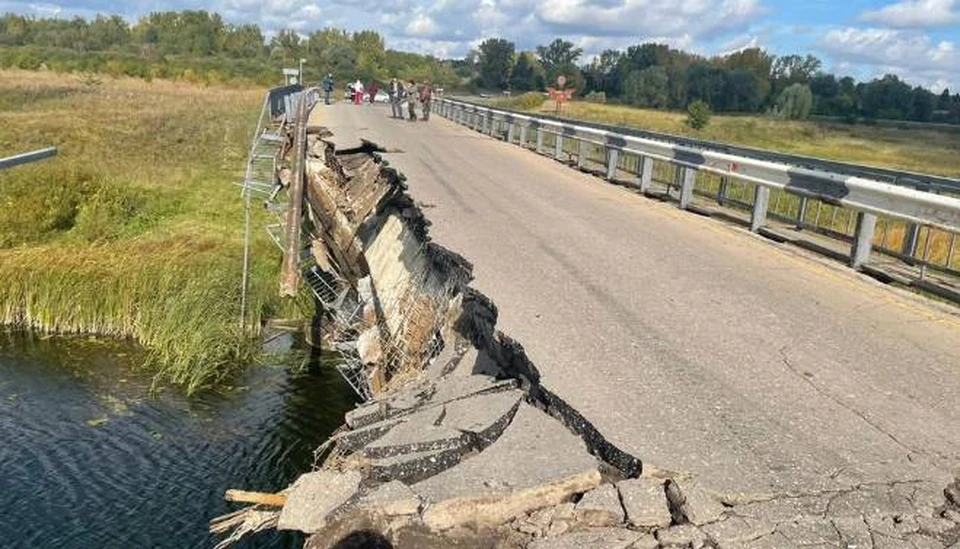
[920,150]
[134,230]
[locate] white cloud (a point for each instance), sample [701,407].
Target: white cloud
[913,56]
[422,25]
[915,14]
[639,18]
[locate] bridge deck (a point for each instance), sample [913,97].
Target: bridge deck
[697,346]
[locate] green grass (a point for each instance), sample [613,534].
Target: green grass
[134,230]
[920,150]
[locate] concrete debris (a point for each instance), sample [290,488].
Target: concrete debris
[601,538]
[414,466]
[418,432]
[645,502]
[392,498]
[484,416]
[455,388]
[365,415]
[314,497]
[601,507]
[684,535]
[693,502]
[535,463]
[352,441]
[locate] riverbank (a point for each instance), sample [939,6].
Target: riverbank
[135,229]
[919,150]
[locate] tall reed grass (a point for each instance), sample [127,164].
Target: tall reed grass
[135,229]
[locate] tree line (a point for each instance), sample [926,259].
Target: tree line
[748,81]
[199,45]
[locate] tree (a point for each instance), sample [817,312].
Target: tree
[794,103]
[886,97]
[496,62]
[527,75]
[741,91]
[286,46]
[598,73]
[558,54]
[698,115]
[371,55]
[647,88]
[922,105]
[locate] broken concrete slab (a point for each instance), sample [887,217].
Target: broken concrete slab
[786,508]
[601,538]
[870,501]
[453,388]
[645,502]
[418,432]
[646,541]
[443,362]
[314,497]
[353,441]
[414,466]
[477,362]
[485,416]
[365,415]
[683,535]
[392,499]
[535,463]
[695,504]
[600,507]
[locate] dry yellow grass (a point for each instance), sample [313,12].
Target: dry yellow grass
[135,229]
[925,151]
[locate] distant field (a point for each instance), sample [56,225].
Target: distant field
[134,229]
[920,150]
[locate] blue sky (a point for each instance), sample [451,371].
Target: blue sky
[917,39]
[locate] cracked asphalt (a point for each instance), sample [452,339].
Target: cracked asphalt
[687,341]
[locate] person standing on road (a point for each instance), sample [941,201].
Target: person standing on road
[396,93]
[413,95]
[357,92]
[327,88]
[426,96]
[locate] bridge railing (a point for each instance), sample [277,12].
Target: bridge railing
[859,200]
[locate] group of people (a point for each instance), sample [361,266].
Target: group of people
[413,94]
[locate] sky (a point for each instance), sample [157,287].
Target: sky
[915,39]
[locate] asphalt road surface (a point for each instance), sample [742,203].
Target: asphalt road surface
[690,342]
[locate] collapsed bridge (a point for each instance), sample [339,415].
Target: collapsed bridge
[763,438]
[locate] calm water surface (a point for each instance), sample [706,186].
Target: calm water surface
[90,458]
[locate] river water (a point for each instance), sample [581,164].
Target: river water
[91,458]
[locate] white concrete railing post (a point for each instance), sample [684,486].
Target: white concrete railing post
[645,174]
[863,239]
[613,158]
[539,140]
[761,201]
[688,177]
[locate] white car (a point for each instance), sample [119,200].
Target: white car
[381,97]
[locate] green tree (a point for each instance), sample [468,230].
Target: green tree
[371,55]
[527,75]
[559,54]
[794,103]
[647,88]
[698,115]
[495,61]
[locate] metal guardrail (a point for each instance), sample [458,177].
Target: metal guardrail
[924,182]
[869,198]
[26,158]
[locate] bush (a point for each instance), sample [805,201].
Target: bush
[698,115]
[596,97]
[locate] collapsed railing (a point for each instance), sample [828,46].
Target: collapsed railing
[926,224]
[277,173]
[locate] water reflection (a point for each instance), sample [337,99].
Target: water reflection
[89,458]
